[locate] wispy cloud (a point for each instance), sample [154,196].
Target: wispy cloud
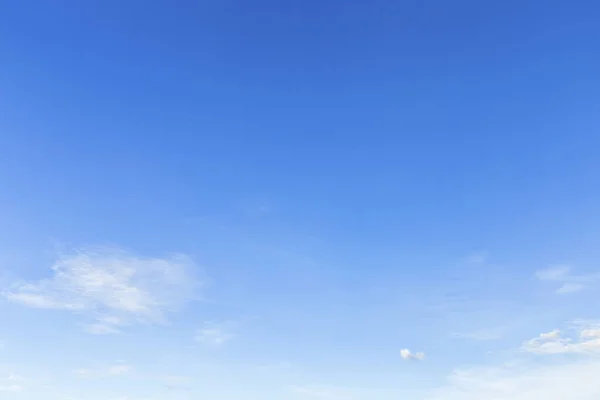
[101,328]
[538,377]
[570,287]
[569,283]
[11,383]
[12,377]
[407,355]
[215,334]
[523,381]
[11,388]
[555,273]
[586,341]
[479,257]
[113,287]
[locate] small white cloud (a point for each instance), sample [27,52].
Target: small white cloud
[11,388]
[113,287]
[570,288]
[554,335]
[587,342]
[11,383]
[101,329]
[562,274]
[555,273]
[12,377]
[215,334]
[35,300]
[407,355]
[591,333]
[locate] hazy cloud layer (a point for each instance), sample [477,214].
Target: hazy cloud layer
[111,287]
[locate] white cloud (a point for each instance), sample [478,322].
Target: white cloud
[562,378]
[570,287]
[113,287]
[11,388]
[524,381]
[554,335]
[12,377]
[592,333]
[11,382]
[587,341]
[562,274]
[100,329]
[215,333]
[407,355]
[555,273]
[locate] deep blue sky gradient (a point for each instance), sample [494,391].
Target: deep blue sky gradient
[316,156]
[373,117]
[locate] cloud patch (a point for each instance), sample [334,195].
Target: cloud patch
[406,354]
[11,388]
[523,381]
[586,341]
[215,334]
[112,287]
[574,377]
[570,283]
[11,383]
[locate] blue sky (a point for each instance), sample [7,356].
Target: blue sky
[299,200]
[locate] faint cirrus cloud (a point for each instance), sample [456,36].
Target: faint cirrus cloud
[111,287]
[568,282]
